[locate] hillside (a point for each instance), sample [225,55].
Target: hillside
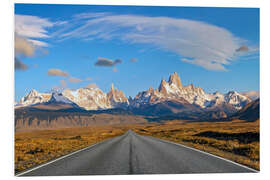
[250,112]
[26,119]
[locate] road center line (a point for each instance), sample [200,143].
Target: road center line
[62,157]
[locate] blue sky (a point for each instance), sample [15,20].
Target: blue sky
[134,47]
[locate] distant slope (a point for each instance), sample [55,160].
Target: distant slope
[250,112]
[166,108]
[171,97]
[59,113]
[253,95]
[29,118]
[57,102]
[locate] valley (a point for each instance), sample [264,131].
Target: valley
[50,125]
[171,97]
[236,140]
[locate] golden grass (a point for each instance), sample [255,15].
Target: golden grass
[235,149]
[36,147]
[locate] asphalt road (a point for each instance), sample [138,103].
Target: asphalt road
[135,154]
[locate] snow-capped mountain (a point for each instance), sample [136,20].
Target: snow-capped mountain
[173,90]
[57,102]
[117,98]
[88,98]
[170,93]
[59,98]
[94,99]
[34,97]
[253,95]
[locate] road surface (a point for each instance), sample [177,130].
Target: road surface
[135,154]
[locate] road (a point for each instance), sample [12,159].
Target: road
[135,154]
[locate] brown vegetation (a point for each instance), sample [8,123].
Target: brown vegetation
[237,140]
[36,147]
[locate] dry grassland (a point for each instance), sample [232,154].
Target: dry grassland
[36,147]
[237,140]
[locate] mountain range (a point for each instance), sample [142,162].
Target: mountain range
[170,97]
[170,101]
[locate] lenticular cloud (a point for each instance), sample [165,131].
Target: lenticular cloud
[195,42]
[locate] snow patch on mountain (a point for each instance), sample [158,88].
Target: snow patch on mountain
[33,97]
[59,98]
[92,98]
[174,90]
[251,94]
[88,98]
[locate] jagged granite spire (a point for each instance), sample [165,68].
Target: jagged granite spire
[175,79]
[112,87]
[162,87]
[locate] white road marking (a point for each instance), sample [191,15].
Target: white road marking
[254,170]
[62,157]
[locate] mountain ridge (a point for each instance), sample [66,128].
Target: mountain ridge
[171,95]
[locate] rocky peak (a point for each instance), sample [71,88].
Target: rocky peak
[217,93]
[116,97]
[200,90]
[114,91]
[34,97]
[111,93]
[32,93]
[150,90]
[233,93]
[59,98]
[112,87]
[121,94]
[162,87]
[90,98]
[175,79]
[189,87]
[234,97]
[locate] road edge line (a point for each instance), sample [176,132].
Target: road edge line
[209,154]
[62,157]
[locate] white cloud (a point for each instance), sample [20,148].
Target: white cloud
[30,32]
[89,15]
[59,23]
[32,26]
[35,29]
[197,42]
[38,43]
[210,65]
